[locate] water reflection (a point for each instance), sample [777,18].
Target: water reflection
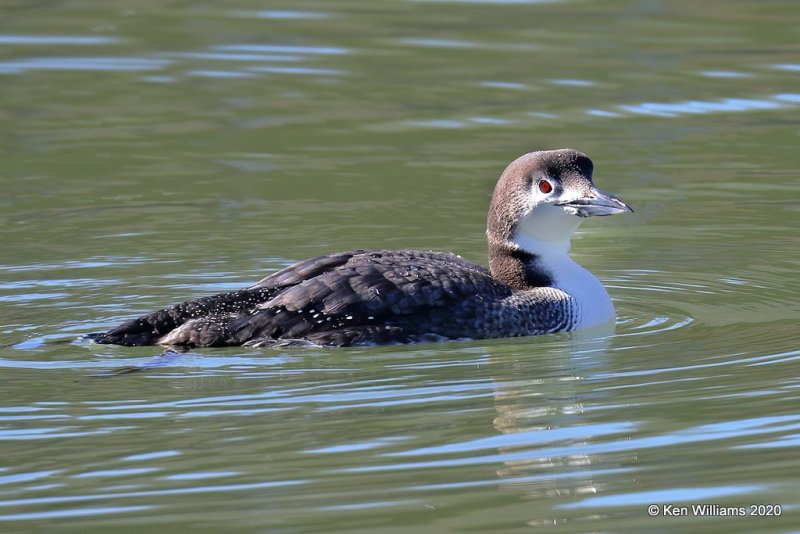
[232,53]
[648,109]
[219,74]
[725,74]
[124,64]
[692,107]
[504,85]
[283,49]
[222,56]
[432,42]
[57,40]
[277,14]
[572,83]
[298,70]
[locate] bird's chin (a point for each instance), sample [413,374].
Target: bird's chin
[548,222]
[573,210]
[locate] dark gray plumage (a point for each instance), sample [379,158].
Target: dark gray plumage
[360,297]
[405,296]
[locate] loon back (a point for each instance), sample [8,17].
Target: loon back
[360,297]
[384,296]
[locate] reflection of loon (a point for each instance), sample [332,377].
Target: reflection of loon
[387,296]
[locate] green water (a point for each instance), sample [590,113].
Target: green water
[154,151]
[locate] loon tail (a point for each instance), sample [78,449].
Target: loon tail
[138,332]
[207,311]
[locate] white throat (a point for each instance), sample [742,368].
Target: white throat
[593,303]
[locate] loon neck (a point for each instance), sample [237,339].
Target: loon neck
[547,263]
[524,262]
[516,268]
[546,251]
[552,260]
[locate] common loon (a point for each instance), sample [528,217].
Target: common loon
[369,297]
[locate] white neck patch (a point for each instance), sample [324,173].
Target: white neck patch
[594,304]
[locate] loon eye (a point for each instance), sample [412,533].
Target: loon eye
[545,186]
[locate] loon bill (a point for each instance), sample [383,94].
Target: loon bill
[369,297]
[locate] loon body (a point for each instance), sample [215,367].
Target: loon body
[366,297]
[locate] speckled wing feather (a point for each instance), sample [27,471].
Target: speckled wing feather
[340,299]
[150,328]
[374,297]
[205,316]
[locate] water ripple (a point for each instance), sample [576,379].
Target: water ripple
[75,512]
[283,49]
[192,490]
[693,494]
[699,107]
[57,39]
[702,433]
[284,14]
[124,64]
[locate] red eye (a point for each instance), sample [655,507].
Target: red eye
[545,186]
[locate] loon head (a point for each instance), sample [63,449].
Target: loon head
[541,198]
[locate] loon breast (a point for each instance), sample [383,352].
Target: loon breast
[592,304]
